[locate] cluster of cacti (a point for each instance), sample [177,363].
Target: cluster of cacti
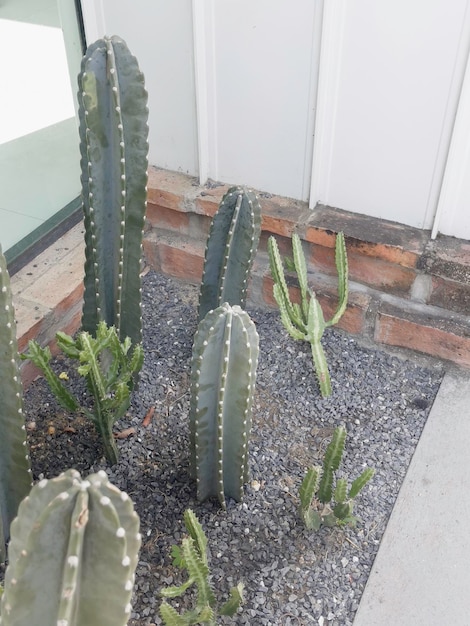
[223,373]
[15,473]
[305,321]
[319,503]
[230,250]
[110,368]
[193,556]
[113,145]
[72,555]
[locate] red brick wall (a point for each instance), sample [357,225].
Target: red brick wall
[405,290]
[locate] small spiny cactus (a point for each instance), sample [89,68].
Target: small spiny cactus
[230,250]
[223,373]
[193,556]
[72,555]
[320,504]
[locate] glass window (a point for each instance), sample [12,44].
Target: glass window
[40,52]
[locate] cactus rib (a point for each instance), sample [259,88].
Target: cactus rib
[15,472]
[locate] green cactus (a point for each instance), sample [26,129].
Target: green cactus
[113,145]
[317,505]
[223,373]
[15,472]
[305,321]
[110,369]
[230,251]
[193,556]
[72,555]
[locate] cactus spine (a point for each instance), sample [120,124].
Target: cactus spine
[223,373]
[113,145]
[73,553]
[230,251]
[305,321]
[15,472]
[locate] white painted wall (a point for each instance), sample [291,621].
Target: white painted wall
[394,96]
[262,92]
[159,34]
[352,102]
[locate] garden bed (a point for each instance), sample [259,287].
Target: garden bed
[291,575]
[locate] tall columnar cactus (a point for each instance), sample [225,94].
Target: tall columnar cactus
[223,373]
[72,556]
[113,144]
[230,251]
[305,321]
[15,473]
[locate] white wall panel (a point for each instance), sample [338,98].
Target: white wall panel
[395,102]
[263,93]
[159,34]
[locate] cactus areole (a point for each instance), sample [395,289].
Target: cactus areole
[113,146]
[72,555]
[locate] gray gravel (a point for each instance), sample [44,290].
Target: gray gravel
[292,576]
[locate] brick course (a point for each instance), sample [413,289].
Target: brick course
[428,281]
[405,290]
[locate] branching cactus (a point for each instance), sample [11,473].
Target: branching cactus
[113,144]
[230,251]
[223,373]
[110,369]
[193,556]
[72,556]
[305,321]
[15,472]
[319,504]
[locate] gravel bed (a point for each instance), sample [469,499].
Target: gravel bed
[292,576]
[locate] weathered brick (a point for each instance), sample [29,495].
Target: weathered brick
[169,219]
[169,189]
[280,216]
[450,294]
[421,332]
[381,275]
[447,257]
[368,236]
[179,258]
[207,201]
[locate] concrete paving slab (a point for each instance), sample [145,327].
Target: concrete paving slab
[421,575]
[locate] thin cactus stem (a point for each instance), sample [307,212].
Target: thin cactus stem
[15,471]
[113,143]
[331,463]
